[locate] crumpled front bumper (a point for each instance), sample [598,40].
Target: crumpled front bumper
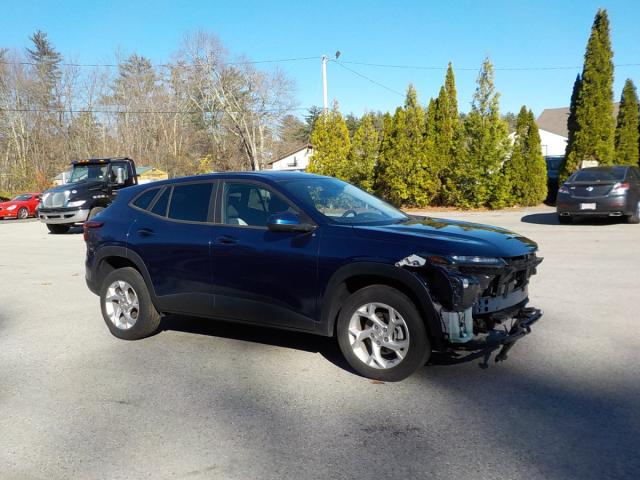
[63,216]
[503,339]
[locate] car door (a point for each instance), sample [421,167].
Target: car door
[172,235]
[262,276]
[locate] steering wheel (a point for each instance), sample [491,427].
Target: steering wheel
[351,213]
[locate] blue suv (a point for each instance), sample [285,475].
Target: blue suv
[313,254]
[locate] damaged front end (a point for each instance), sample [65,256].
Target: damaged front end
[481,301]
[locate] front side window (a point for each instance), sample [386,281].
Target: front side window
[190,202]
[249,204]
[341,202]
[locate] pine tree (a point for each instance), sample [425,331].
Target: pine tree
[385,157]
[46,61]
[526,169]
[487,145]
[592,131]
[364,153]
[447,138]
[627,126]
[406,176]
[331,145]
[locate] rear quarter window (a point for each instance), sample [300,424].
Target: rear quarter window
[160,206]
[144,200]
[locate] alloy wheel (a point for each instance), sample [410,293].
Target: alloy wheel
[122,305]
[378,335]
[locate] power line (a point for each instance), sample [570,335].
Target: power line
[300,59]
[475,69]
[369,79]
[161,65]
[141,112]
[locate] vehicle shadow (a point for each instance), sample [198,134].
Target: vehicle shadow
[72,231]
[552,219]
[307,342]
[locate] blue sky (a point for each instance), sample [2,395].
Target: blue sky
[425,33]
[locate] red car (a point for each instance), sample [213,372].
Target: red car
[22,206]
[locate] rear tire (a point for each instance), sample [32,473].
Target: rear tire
[565,220]
[23,213]
[390,347]
[635,218]
[57,228]
[126,305]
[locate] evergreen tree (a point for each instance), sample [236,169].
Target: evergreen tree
[447,138]
[406,176]
[364,154]
[627,126]
[484,182]
[46,62]
[592,130]
[331,145]
[526,169]
[385,157]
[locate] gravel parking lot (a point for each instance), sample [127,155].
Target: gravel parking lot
[204,399]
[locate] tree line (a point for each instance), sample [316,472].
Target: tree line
[435,155]
[204,111]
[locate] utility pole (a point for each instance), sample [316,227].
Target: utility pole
[325,101]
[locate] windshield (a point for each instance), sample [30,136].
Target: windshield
[613,174]
[343,203]
[82,173]
[21,198]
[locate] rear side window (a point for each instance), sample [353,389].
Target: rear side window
[160,207]
[144,200]
[190,202]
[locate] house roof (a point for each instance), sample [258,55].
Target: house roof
[554,120]
[291,152]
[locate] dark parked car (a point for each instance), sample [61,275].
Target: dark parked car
[601,192]
[314,254]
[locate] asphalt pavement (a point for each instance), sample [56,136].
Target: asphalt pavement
[204,399]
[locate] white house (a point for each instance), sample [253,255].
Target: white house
[552,124]
[554,131]
[295,160]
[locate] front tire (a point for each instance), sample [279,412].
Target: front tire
[57,228]
[23,213]
[381,334]
[126,305]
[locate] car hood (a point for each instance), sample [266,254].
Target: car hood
[446,237]
[86,185]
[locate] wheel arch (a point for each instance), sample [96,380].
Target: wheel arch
[353,277]
[111,258]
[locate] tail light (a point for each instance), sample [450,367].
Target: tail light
[88,225]
[620,188]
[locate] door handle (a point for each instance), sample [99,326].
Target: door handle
[226,240]
[145,232]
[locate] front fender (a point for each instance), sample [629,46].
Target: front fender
[336,292]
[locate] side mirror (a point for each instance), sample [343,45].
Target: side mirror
[288,222]
[120,176]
